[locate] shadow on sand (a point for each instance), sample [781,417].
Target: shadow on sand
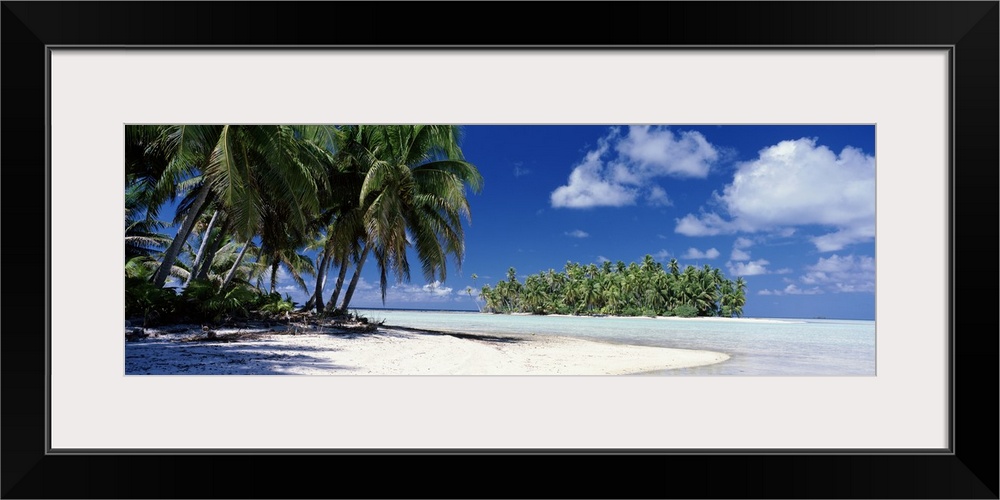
[497,339]
[223,358]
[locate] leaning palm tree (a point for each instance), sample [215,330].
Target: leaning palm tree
[412,195]
[241,166]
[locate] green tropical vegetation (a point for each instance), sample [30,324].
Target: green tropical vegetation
[645,289]
[255,199]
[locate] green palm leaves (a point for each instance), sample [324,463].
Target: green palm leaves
[277,189]
[412,195]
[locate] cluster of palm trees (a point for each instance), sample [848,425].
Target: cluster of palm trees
[254,199]
[645,289]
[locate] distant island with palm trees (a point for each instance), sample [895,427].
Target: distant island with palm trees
[646,289]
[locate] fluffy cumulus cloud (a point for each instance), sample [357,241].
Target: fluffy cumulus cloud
[796,183]
[842,274]
[576,233]
[657,151]
[739,245]
[623,166]
[739,255]
[751,268]
[694,253]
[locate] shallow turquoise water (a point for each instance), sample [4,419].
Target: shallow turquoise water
[785,347]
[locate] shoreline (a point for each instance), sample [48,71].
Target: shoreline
[392,350]
[677,318]
[610,316]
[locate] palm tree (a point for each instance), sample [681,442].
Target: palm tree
[141,236]
[739,297]
[206,235]
[413,194]
[470,289]
[248,169]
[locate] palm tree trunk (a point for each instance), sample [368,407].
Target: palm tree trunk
[321,272]
[332,305]
[213,248]
[182,234]
[354,280]
[201,249]
[274,274]
[236,265]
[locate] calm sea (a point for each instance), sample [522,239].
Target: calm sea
[769,347]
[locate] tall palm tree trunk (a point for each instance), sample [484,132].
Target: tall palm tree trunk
[201,249]
[213,248]
[354,280]
[236,265]
[182,234]
[321,271]
[332,305]
[274,274]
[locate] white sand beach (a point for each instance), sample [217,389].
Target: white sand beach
[393,351]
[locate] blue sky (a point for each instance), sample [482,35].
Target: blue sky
[789,208]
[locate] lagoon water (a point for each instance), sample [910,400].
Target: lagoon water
[767,347]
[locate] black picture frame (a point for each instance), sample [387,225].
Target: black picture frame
[969,470]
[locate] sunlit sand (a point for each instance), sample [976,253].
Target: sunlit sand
[395,351]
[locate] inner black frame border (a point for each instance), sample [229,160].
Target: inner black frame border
[968,469]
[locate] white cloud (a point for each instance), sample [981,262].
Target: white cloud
[657,151]
[362,284]
[694,253]
[783,270]
[661,255]
[407,292]
[751,268]
[576,233]
[791,290]
[368,295]
[615,172]
[602,259]
[657,197]
[708,224]
[842,274]
[796,183]
[587,186]
[742,242]
[838,240]
[739,255]
[436,288]
[794,290]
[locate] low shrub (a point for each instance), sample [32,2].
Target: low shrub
[685,311]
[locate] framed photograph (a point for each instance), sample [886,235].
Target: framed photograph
[909,90]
